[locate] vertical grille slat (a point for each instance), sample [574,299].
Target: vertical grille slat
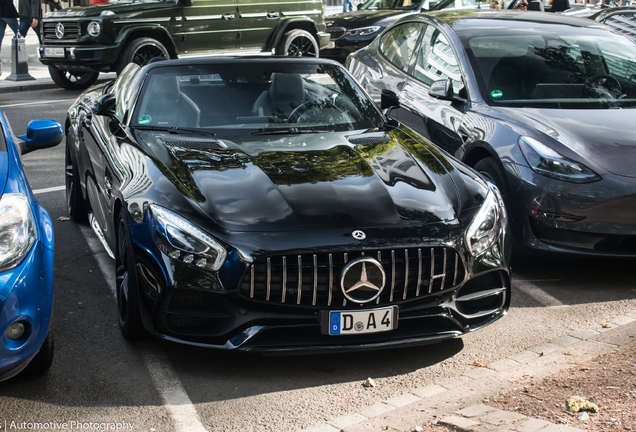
[313,302]
[284,284]
[273,278]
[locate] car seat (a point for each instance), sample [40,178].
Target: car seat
[285,93]
[167,105]
[536,5]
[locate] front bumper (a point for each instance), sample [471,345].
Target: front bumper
[553,216]
[236,309]
[78,58]
[345,46]
[26,294]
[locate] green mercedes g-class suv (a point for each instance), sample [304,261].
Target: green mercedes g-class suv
[80,42]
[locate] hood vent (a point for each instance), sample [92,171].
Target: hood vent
[372,138]
[197,145]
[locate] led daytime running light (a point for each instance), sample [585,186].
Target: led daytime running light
[179,239]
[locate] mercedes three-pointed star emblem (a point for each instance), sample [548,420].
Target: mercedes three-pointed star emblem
[362,280]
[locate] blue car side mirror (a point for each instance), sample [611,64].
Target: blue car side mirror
[41,134]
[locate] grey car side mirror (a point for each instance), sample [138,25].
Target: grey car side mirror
[442,89]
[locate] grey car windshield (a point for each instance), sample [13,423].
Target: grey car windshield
[552,67]
[244,98]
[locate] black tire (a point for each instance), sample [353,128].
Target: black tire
[298,43]
[489,168]
[75,202]
[128,307]
[73,80]
[43,359]
[141,51]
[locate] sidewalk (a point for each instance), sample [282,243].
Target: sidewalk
[36,69]
[461,403]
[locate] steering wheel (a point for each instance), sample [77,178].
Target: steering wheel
[305,107]
[601,80]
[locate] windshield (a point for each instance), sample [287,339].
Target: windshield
[552,66]
[243,98]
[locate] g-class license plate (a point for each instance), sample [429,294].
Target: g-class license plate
[53,52]
[363,321]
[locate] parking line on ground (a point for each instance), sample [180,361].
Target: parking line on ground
[535,292]
[36,103]
[174,396]
[51,189]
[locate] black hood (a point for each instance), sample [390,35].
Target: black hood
[603,137]
[313,181]
[366,18]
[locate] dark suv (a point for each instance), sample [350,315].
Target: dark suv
[80,42]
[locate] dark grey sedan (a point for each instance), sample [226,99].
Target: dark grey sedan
[542,105]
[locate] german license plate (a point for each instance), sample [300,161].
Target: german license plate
[331,45]
[53,52]
[363,321]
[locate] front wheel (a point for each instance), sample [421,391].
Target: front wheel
[75,202]
[493,172]
[140,51]
[297,43]
[73,80]
[128,307]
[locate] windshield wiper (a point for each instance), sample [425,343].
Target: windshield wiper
[291,131]
[174,129]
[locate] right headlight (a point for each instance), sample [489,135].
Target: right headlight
[94,28]
[545,161]
[483,231]
[183,241]
[17,230]
[363,31]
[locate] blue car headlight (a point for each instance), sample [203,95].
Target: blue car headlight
[483,231]
[17,230]
[181,240]
[548,162]
[363,31]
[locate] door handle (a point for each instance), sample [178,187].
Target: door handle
[273,15]
[228,17]
[407,95]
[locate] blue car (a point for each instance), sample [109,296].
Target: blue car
[26,256]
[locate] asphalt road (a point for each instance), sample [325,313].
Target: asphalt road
[158,386]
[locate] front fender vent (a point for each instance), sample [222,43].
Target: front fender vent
[197,145]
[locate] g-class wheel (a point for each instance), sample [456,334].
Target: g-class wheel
[73,80]
[297,43]
[141,51]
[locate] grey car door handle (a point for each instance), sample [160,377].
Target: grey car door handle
[273,15]
[228,17]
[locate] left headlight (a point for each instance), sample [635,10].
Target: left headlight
[179,239]
[548,162]
[17,230]
[363,31]
[485,227]
[94,28]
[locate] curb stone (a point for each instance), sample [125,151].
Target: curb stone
[448,403]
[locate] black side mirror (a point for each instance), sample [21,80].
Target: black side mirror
[359,6]
[389,99]
[105,106]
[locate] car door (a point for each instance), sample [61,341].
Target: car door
[435,119]
[256,22]
[210,25]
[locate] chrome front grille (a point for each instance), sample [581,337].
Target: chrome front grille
[71,30]
[336,32]
[314,279]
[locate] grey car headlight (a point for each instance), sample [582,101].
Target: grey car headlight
[363,31]
[483,231]
[548,162]
[17,230]
[183,241]
[94,28]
